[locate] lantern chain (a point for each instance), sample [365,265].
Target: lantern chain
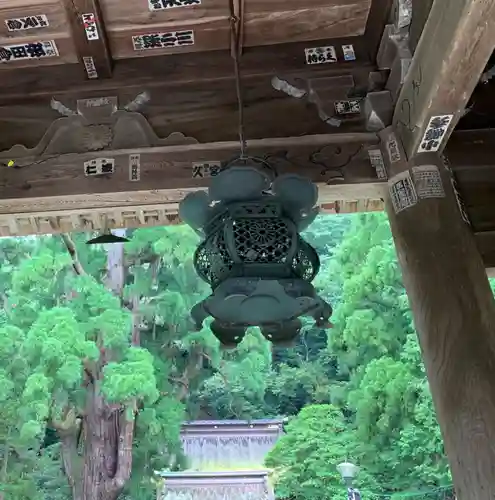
[236,23]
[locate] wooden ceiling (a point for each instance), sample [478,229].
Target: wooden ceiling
[134,75]
[129,28]
[189,85]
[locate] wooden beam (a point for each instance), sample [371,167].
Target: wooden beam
[454,314]
[471,156]
[93,219]
[204,110]
[377,19]
[177,70]
[90,38]
[134,216]
[265,23]
[59,181]
[52,193]
[454,48]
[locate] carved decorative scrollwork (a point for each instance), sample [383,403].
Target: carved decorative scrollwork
[331,159]
[107,128]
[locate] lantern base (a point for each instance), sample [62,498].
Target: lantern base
[273,305]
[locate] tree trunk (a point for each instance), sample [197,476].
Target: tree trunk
[108,448]
[108,429]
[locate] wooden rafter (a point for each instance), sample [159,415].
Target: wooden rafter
[206,24]
[454,48]
[90,38]
[191,87]
[471,155]
[377,19]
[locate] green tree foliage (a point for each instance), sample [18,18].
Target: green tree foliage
[110,326]
[67,356]
[302,374]
[375,381]
[304,459]
[237,388]
[108,329]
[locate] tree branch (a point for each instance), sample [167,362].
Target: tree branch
[89,368]
[68,428]
[69,456]
[6,454]
[136,321]
[71,248]
[124,452]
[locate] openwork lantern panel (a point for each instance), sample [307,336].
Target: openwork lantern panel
[252,255]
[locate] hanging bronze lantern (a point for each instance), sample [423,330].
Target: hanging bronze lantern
[252,255]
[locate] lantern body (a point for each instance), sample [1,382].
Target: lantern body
[258,266]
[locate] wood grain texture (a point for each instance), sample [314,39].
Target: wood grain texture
[327,21]
[125,14]
[88,220]
[206,111]
[209,34]
[98,48]
[21,4]
[471,156]
[65,47]
[485,241]
[55,13]
[170,168]
[420,13]
[180,69]
[122,15]
[260,28]
[377,20]
[265,24]
[57,30]
[459,33]
[454,315]
[352,206]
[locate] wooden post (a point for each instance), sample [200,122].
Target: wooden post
[453,310]
[455,45]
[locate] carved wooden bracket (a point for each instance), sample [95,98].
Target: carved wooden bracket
[394,54]
[322,92]
[79,134]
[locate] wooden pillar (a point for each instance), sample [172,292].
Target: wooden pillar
[453,310]
[444,275]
